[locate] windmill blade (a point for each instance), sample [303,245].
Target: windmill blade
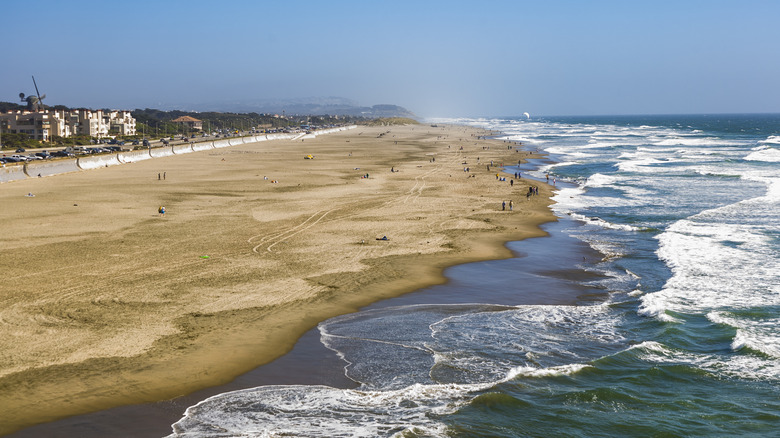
[39,103]
[36,89]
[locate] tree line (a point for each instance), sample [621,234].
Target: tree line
[154,123]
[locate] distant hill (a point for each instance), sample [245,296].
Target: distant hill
[307,106]
[333,106]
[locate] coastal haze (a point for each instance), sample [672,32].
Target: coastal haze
[437,59]
[521,254]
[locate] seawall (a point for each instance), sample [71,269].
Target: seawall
[55,167]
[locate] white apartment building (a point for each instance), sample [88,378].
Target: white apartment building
[42,125]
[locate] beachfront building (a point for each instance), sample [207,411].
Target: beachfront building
[35,124]
[120,122]
[191,122]
[42,125]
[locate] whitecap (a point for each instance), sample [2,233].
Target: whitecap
[563,370]
[740,366]
[773,139]
[601,201]
[600,180]
[765,154]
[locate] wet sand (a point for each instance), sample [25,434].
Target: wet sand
[105,303]
[543,271]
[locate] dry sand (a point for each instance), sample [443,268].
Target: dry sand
[106,303]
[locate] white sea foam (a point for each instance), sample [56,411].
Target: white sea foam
[609,249]
[759,335]
[697,141]
[722,258]
[645,164]
[714,253]
[654,306]
[466,347]
[600,180]
[276,411]
[652,347]
[772,139]
[601,222]
[550,167]
[558,150]
[563,370]
[741,366]
[767,154]
[656,150]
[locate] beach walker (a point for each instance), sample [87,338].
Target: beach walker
[161,210]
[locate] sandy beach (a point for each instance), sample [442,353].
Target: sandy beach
[107,303]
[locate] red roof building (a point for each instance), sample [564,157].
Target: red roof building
[191,122]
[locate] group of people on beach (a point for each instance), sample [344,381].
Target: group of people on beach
[532,190]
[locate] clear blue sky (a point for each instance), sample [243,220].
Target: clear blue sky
[437,58]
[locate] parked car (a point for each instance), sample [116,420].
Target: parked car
[146,142]
[20,150]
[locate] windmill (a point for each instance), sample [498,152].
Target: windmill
[34,103]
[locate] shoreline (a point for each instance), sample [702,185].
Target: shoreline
[311,363]
[200,342]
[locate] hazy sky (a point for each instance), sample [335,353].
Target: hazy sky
[436,58]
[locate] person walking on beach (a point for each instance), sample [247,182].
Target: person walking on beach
[503,205]
[511,205]
[161,211]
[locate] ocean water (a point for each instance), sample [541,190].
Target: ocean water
[684,339]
